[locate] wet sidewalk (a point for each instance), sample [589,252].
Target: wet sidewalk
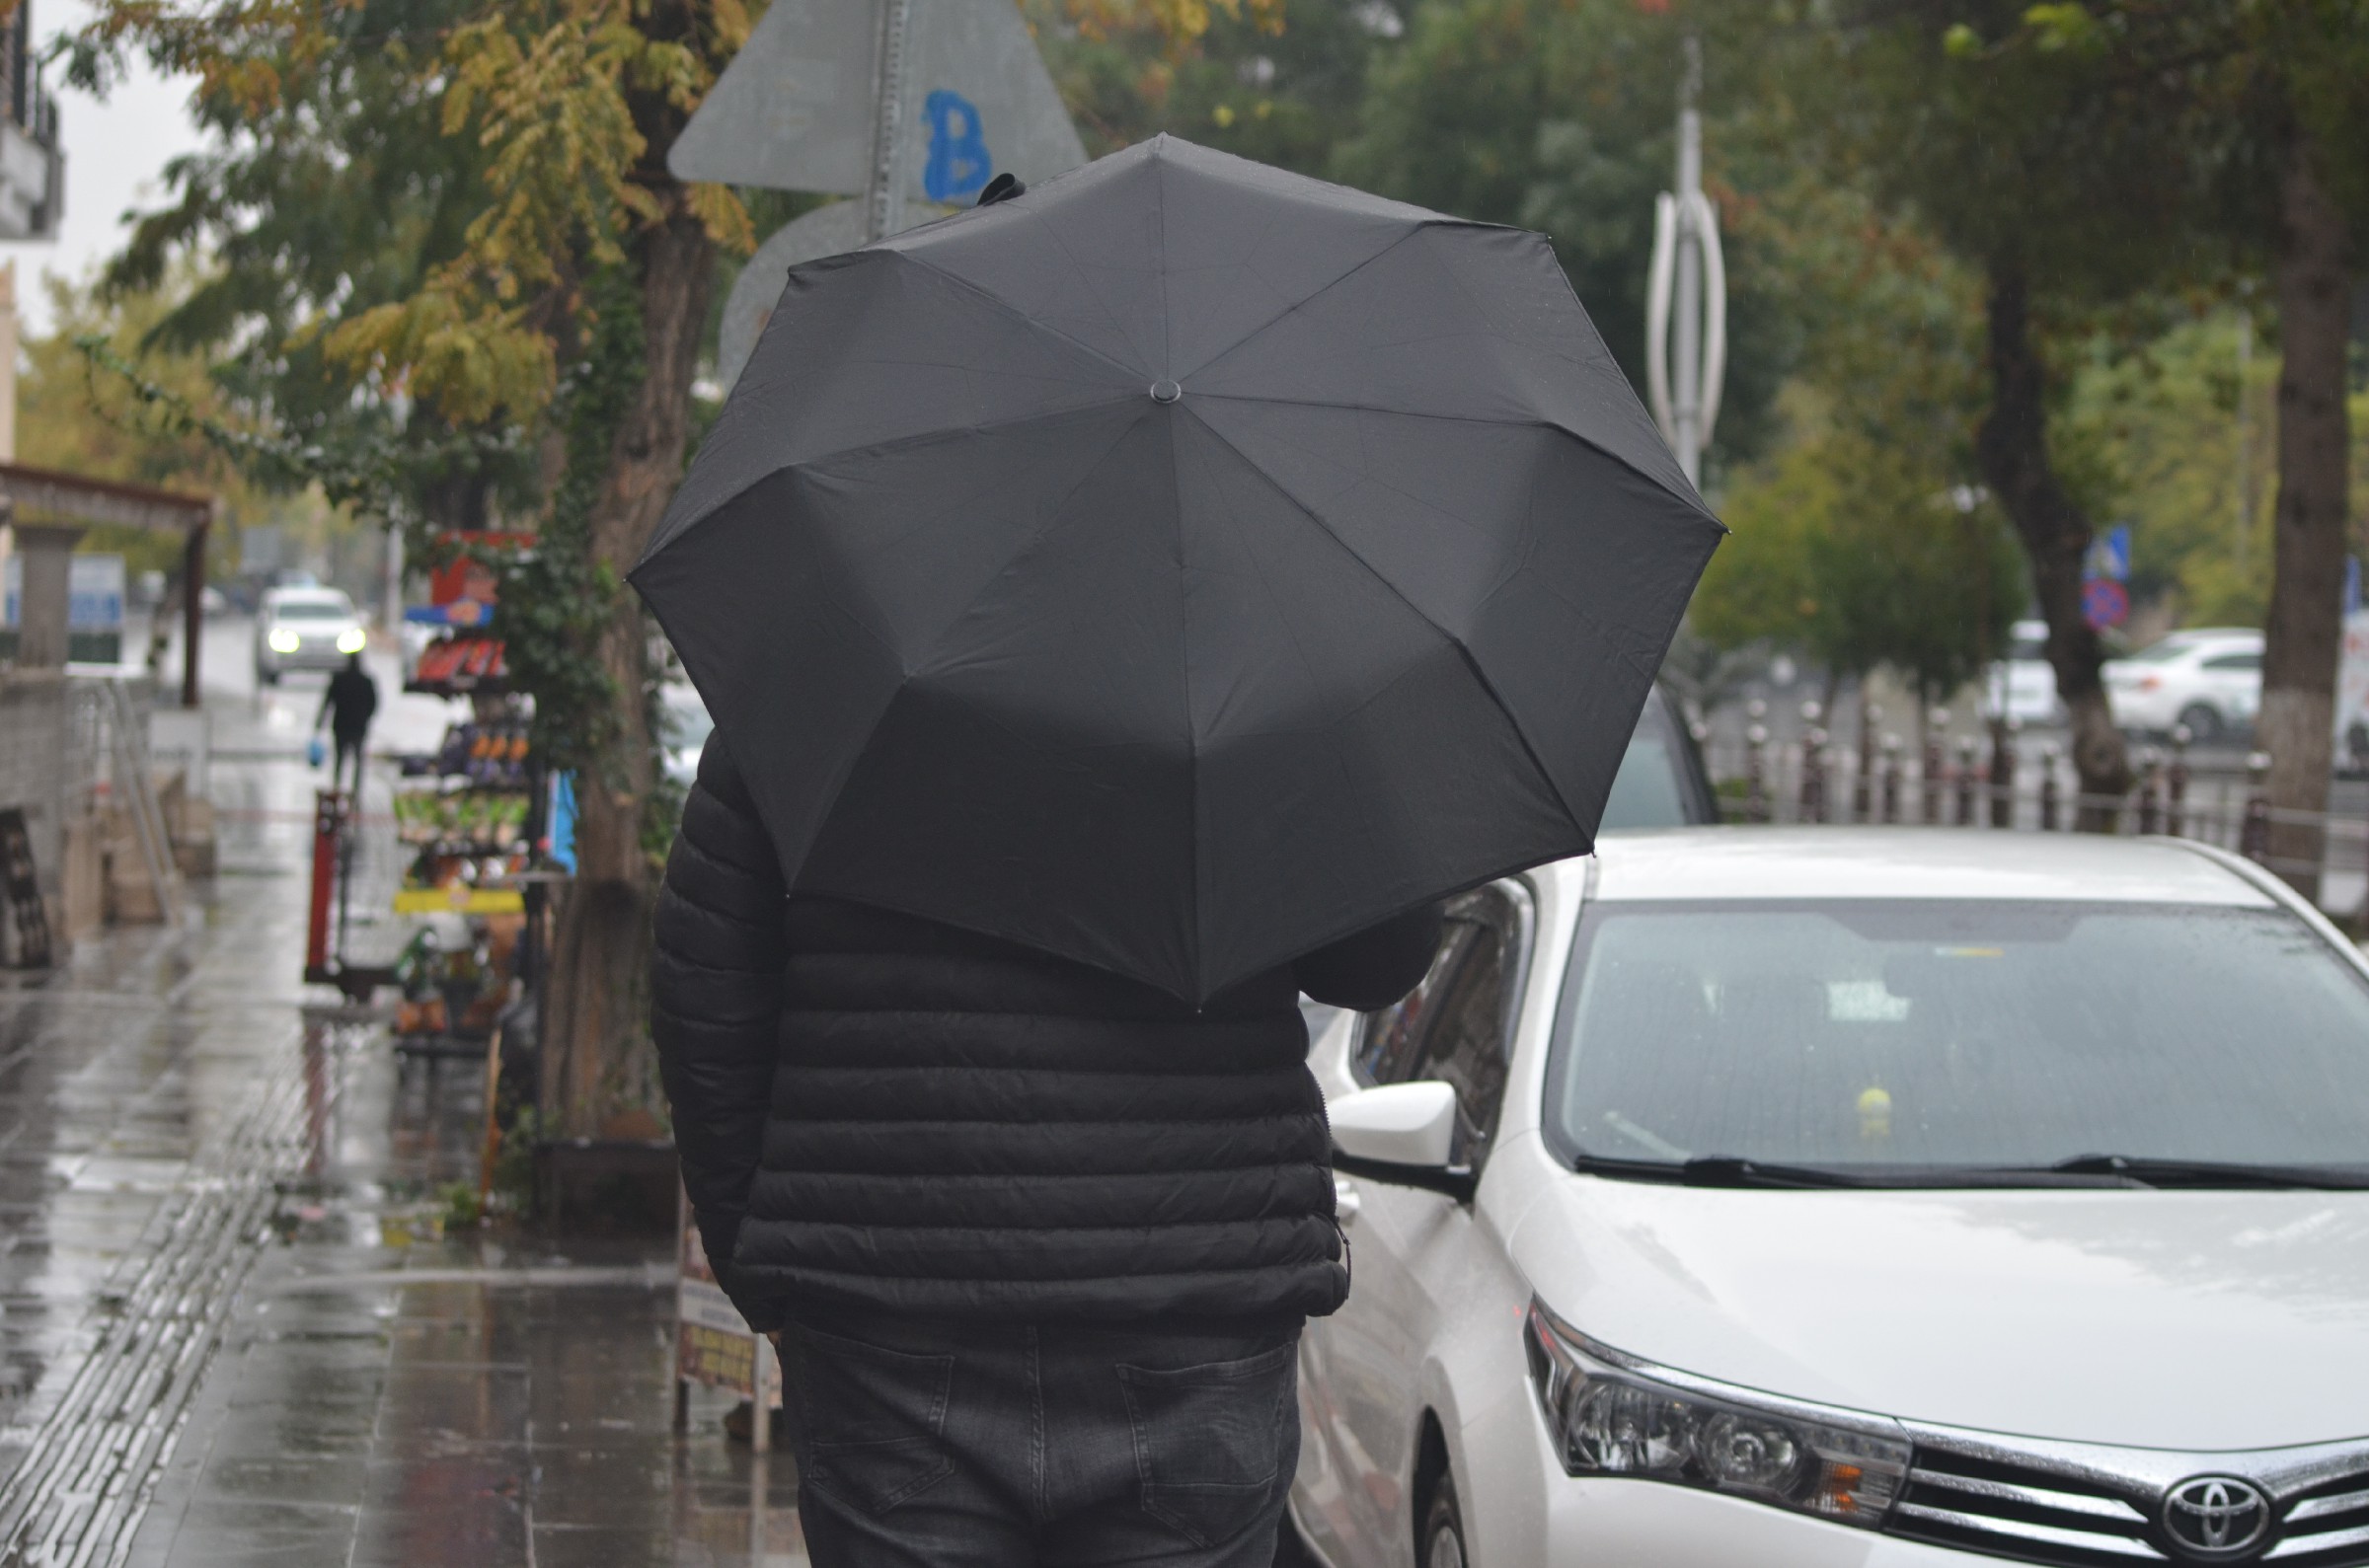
[232,1332]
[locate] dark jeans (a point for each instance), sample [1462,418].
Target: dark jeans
[348,746]
[985,1445]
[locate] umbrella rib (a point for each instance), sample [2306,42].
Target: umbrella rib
[830,808]
[1696,502]
[898,444]
[1013,311]
[1323,289]
[1052,519]
[1463,652]
[1192,733]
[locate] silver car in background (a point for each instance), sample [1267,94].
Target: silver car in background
[305,628]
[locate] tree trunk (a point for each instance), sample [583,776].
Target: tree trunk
[600,1071]
[2012,447]
[2306,623]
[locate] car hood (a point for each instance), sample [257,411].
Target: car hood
[2158,1319]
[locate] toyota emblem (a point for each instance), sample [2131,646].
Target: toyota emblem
[2216,1517]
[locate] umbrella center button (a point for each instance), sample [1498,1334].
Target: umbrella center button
[1166,391]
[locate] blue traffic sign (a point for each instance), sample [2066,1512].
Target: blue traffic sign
[2109,554]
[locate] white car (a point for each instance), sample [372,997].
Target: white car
[2209,679]
[305,628]
[2022,684]
[1856,1197]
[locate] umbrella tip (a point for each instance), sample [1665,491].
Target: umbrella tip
[1003,187]
[1166,391]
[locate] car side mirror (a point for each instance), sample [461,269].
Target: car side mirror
[1403,1134]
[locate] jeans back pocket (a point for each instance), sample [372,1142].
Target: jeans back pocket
[875,1418]
[1212,1442]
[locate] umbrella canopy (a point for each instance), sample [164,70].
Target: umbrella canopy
[1177,567]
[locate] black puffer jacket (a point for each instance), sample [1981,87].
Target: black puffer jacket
[884,1113]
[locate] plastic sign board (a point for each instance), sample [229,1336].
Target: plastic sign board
[2352,691]
[795,111]
[94,593]
[94,606]
[714,1343]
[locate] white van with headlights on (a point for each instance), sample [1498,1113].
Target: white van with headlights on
[1857,1197]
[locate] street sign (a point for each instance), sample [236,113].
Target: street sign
[2104,603]
[796,109]
[826,231]
[93,605]
[2109,556]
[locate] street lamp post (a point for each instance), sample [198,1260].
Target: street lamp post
[1685,297]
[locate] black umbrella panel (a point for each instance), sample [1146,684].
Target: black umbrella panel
[1177,567]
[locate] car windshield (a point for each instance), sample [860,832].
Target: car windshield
[312,610]
[2003,1035]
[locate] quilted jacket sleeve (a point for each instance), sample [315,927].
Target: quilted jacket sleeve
[716,995]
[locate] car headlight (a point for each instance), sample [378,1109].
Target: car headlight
[1610,1415]
[284,640]
[352,640]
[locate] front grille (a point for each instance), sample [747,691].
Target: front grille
[2025,1512]
[2079,1507]
[2327,1527]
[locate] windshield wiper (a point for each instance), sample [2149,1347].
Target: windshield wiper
[2156,1172]
[1733,1170]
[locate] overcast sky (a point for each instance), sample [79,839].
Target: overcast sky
[115,155]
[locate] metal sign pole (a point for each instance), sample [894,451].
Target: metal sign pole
[885,195]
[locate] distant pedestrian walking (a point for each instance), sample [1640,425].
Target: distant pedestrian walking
[347,708]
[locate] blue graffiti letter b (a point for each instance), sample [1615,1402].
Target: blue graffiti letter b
[959,162]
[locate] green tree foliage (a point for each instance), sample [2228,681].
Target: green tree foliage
[1254,81]
[1560,115]
[2263,108]
[520,151]
[326,186]
[2047,173]
[2188,470]
[1863,538]
[69,421]
[1845,547]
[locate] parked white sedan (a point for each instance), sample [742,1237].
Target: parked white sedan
[2208,679]
[1747,1197]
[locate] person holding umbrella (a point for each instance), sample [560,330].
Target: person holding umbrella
[1123,607]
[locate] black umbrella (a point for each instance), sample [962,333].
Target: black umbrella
[1179,566]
